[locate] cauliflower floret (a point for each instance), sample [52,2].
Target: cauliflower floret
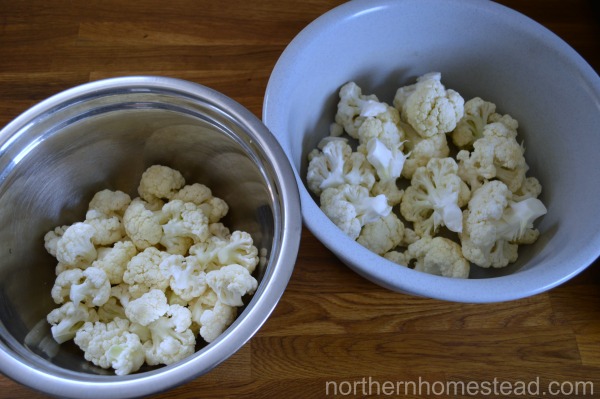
[113,260]
[187,224]
[336,164]
[111,345]
[531,188]
[171,337]
[390,190]
[428,107]
[142,225]
[199,305]
[110,203]
[143,272]
[351,207]
[470,128]
[382,235]
[440,256]
[354,107]
[387,161]
[213,207]
[51,239]
[216,320]
[160,182]
[93,288]
[494,225]
[67,319]
[435,197]
[496,155]
[61,290]
[147,308]
[385,127]
[231,283]
[111,310]
[238,248]
[421,150]
[186,276]
[109,229]
[75,247]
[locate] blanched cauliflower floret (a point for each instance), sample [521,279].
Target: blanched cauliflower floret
[111,345]
[147,308]
[237,248]
[93,289]
[494,225]
[231,283]
[143,272]
[382,235]
[435,197]
[113,260]
[428,107]
[186,276]
[496,155]
[67,319]
[478,114]
[110,203]
[160,182]
[216,320]
[51,238]
[75,247]
[439,256]
[143,225]
[421,150]
[187,224]
[354,107]
[171,337]
[337,164]
[351,207]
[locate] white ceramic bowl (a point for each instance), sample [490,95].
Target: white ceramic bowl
[482,49]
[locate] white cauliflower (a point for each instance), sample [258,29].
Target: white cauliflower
[213,207]
[186,276]
[387,161]
[92,289]
[428,107]
[237,248]
[351,207]
[143,272]
[496,155]
[113,260]
[231,283]
[199,305]
[147,308]
[110,203]
[111,310]
[385,127]
[390,190]
[337,164]
[160,182]
[111,345]
[75,247]
[171,337]
[109,229]
[186,224]
[67,319]
[435,197]
[51,238]
[478,113]
[216,320]
[143,225]
[439,256]
[354,107]
[382,235]
[421,150]
[494,225]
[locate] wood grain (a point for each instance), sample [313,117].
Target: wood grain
[330,325]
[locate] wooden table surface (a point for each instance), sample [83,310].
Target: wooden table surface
[331,329]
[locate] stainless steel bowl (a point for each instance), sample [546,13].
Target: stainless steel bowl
[104,134]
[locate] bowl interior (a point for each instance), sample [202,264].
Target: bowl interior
[55,163]
[482,49]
